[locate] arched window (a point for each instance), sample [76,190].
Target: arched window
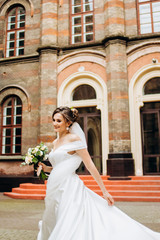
[152,86]
[84,92]
[11,126]
[15,31]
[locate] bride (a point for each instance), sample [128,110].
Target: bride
[73,211]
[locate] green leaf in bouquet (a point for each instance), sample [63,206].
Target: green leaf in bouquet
[23,164]
[35,160]
[43,176]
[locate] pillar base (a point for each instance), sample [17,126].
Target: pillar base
[120,166]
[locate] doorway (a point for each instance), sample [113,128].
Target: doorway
[150,125]
[90,122]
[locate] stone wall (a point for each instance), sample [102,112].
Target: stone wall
[34,77]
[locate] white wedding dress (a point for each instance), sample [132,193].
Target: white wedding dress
[74,212]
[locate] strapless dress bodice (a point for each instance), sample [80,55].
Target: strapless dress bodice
[62,153]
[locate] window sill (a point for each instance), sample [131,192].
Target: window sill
[19,58]
[10,157]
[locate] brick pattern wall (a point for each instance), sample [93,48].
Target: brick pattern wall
[118,106]
[48,30]
[48,94]
[49,22]
[114,18]
[22,76]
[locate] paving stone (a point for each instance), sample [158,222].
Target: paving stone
[19,218]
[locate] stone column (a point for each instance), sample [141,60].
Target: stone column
[114,20]
[49,21]
[48,93]
[48,69]
[120,162]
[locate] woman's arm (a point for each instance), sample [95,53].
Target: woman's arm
[83,153]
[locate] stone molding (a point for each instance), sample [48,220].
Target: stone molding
[20,59]
[16,90]
[8,3]
[142,49]
[101,102]
[83,56]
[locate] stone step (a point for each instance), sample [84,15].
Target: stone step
[92,187]
[25,196]
[95,186]
[32,186]
[132,193]
[116,198]
[145,177]
[124,182]
[89,177]
[28,191]
[126,187]
[145,188]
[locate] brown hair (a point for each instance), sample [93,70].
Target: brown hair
[68,113]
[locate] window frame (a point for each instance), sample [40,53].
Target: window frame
[15,31]
[82,24]
[150,2]
[11,126]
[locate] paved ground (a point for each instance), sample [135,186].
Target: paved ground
[19,218]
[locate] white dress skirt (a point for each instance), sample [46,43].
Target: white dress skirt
[74,212]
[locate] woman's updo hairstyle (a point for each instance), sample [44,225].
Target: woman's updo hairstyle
[70,114]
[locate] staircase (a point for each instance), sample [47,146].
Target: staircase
[140,189]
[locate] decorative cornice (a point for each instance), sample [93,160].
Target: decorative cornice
[114,38]
[19,59]
[48,49]
[144,37]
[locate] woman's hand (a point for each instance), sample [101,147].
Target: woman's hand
[45,168]
[109,198]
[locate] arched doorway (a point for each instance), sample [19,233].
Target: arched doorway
[150,124]
[144,95]
[86,92]
[90,121]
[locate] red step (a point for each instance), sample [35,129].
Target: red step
[144,188]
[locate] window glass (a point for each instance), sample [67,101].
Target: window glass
[149,16]
[11,126]
[15,31]
[152,86]
[83,92]
[82,25]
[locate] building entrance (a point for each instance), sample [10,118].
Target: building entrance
[150,123]
[90,121]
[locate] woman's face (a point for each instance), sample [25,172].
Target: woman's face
[59,123]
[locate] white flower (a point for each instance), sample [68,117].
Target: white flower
[43,148]
[35,150]
[45,157]
[40,153]
[29,150]
[28,159]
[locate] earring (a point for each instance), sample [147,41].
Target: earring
[67,128]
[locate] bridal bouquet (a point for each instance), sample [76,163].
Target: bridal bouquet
[34,156]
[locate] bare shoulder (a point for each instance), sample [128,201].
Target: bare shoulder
[73,137]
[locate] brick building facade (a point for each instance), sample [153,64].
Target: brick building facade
[100,56]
